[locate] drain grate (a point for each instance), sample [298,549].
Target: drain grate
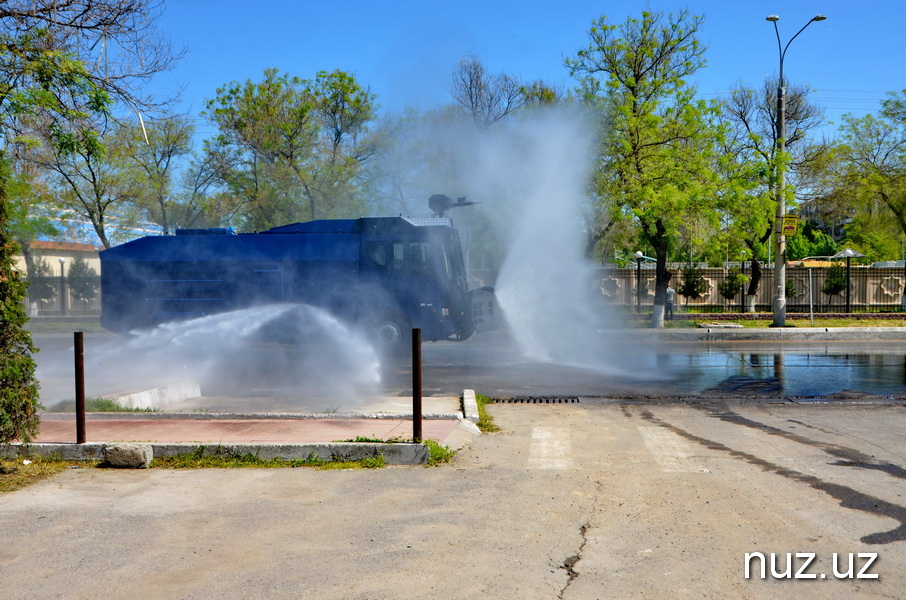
[538,400]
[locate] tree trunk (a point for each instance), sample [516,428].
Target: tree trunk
[662,275]
[752,291]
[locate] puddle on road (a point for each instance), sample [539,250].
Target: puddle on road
[796,374]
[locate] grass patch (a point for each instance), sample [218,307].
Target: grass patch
[438,454]
[96,405]
[17,473]
[219,458]
[485,420]
[369,440]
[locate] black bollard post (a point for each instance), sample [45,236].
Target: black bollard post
[79,386]
[417,385]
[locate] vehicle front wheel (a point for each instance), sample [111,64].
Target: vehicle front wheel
[389,332]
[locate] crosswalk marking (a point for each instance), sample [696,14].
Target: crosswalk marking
[550,448]
[672,453]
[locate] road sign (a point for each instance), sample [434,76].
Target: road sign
[790,225]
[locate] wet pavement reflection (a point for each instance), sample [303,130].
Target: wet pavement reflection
[665,369]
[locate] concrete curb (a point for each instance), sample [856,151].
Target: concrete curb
[470,405]
[462,436]
[202,416]
[776,334]
[158,396]
[394,454]
[403,453]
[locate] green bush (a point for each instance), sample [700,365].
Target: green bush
[836,280]
[730,287]
[82,280]
[41,284]
[694,283]
[19,406]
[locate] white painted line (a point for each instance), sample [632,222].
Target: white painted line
[671,452]
[550,448]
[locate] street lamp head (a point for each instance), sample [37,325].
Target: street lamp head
[638,255]
[772,18]
[62,260]
[818,18]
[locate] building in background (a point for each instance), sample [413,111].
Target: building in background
[52,252]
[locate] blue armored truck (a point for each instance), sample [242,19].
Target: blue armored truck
[384,275]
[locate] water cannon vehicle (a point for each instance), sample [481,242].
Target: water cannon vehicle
[384,275]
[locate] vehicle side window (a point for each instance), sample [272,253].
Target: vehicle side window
[399,256]
[412,257]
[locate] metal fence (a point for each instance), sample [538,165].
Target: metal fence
[865,289]
[62,296]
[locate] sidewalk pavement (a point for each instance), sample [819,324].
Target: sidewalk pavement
[284,435]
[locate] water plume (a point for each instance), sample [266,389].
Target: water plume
[298,352]
[535,173]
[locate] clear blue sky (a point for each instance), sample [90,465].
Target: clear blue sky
[405,50]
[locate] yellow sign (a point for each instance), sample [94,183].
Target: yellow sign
[790,225]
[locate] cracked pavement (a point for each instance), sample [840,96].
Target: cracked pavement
[572,501]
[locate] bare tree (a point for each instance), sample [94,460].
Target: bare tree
[116,40]
[487,98]
[200,205]
[754,114]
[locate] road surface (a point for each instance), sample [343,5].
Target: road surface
[572,501]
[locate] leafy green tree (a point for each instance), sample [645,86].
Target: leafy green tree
[658,157]
[150,153]
[541,93]
[32,213]
[93,182]
[752,142]
[36,82]
[810,242]
[345,110]
[265,148]
[868,170]
[18,386]
[289,147]
[872,232]
[51,77]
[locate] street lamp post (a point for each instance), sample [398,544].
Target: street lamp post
[780,239]
[62,287]
[638,281]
